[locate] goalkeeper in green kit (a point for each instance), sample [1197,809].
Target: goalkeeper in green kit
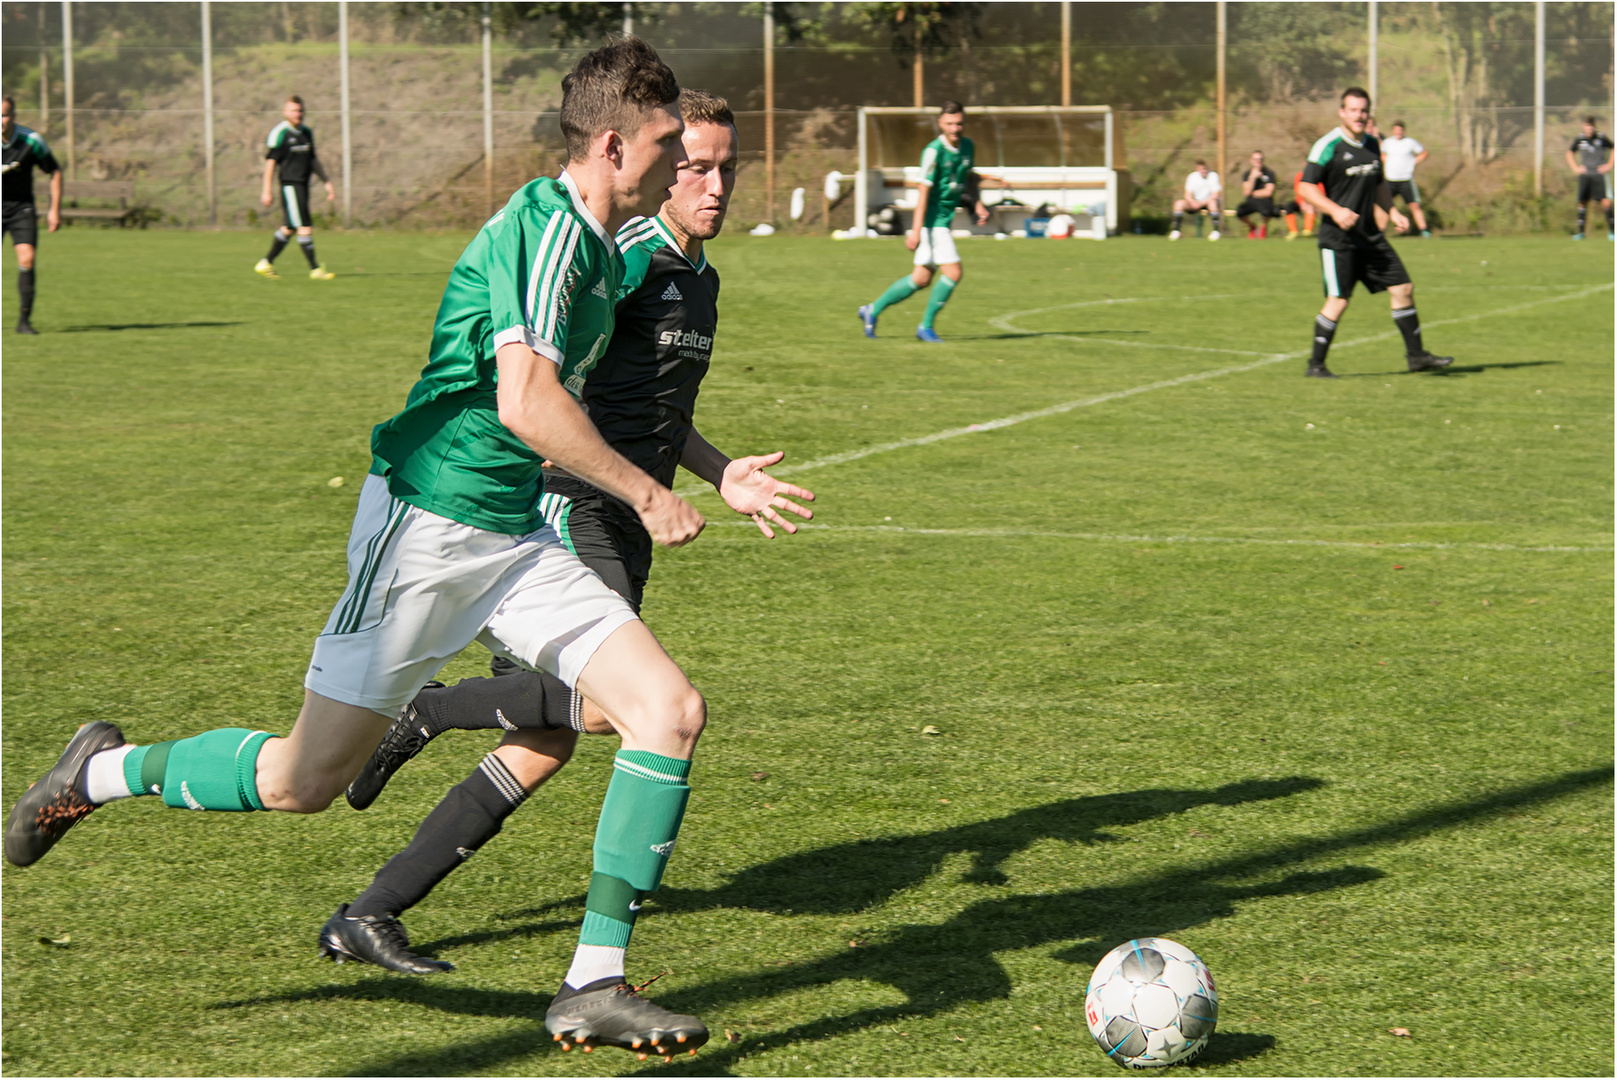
[946,176]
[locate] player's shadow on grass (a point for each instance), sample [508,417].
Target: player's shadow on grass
[1452,370]
[1015,334]
[108,328]
[939,967]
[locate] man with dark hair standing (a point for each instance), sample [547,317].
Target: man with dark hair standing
[291,147]
[1344,182]
[946,178]
[1590,159]
[641,396]
[25,151]
[449,546]
[1258,185]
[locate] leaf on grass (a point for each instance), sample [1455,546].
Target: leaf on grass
[930,730]
[731,1035]
[958,1039]
[1198,832]
[760,776]
[1402,1033]
[61,943]
[334,482]
[1395,566]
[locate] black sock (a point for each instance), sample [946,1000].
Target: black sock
[468,817]
[307,244]
[25,293]
[1408,324]
[527,699]
[1583,216]
[1324,331]
[1608,219]
[1178,219]
[277,245]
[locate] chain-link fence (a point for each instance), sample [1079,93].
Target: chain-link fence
[1461,75]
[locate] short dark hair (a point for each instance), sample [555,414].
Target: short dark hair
[952,108]
[610,90]
[293,99]
[1201,161]
[701,107]
[1587,119]
[9,100]
[1355,91]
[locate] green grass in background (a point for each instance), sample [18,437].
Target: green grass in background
[1185,680]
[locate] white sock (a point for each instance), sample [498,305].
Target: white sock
[593,962]
[104,776]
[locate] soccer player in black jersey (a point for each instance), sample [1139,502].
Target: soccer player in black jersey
[290,147]
[1344,182]
[1590,158]
[641,396]
[25,151]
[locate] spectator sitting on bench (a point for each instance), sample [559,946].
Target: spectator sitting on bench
[1203,191]
[1258,185]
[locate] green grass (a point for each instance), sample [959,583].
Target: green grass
[1371,786]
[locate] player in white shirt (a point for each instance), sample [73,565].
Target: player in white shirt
[1203,191]
[1399,156]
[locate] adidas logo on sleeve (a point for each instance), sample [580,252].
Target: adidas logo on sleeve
[672,292]
[600,289]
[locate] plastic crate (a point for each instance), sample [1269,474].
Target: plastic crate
[1038,228]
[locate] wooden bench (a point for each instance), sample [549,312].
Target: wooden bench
[121,192]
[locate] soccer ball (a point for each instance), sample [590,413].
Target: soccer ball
[1151,1003]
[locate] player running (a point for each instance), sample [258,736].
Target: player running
[1343,181]
[1203,191]
[1295,206]
[641,397]
[1399,156]
[946,183]
[449,546]
[1590,158]
[291,147]
[25,151]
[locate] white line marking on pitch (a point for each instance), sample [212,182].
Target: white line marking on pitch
[1117,395]
[1127,538]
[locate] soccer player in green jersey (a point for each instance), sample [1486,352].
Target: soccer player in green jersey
[449,547]
[946,176]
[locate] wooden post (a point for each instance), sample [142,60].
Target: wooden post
[488,107]
[207,112]
[44,77]
[920,68]
[67,84]
[1222,42]
[347,119]
[1375,66]
[628,19]
[1066,53]
[1538,98]
[769,109]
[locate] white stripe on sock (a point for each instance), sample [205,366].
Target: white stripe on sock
[592,962]
[104,776]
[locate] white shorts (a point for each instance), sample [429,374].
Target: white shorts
[936,247]
[422,587]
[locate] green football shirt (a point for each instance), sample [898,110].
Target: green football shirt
[542,272]
[945,167]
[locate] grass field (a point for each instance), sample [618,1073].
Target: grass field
[1312,677]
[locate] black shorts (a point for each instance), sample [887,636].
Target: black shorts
[295,206]
[21,222]
[1266,207]
[1376,264]
[1406,189]
[1592,187]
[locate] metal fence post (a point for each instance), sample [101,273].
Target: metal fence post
[1223,40]
[1066,52]
[67,85]
[1538,98]
[1374,66]
[207,112]
[769,109]
[347,129]
[488,107]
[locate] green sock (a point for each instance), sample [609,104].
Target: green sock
[645,802]
[940,296]
[212,771]
[900,290]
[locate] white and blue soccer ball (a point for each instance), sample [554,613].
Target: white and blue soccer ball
[1151,1003]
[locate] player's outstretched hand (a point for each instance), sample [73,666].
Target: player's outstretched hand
[747,489]
[671,521]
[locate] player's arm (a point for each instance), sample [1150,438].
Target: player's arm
[266,197]
[744,485]
[53,216]
[1572,162]
[320,171]
[1314,195]
[973,197]
[1422,156]
[912,239]
[1266,191]
[1606,168]
[1385,211]
[535,408]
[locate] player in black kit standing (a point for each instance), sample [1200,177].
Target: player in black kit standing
[1589,157]
[290,148]
[1344,182]
[641,397]
[26,151]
